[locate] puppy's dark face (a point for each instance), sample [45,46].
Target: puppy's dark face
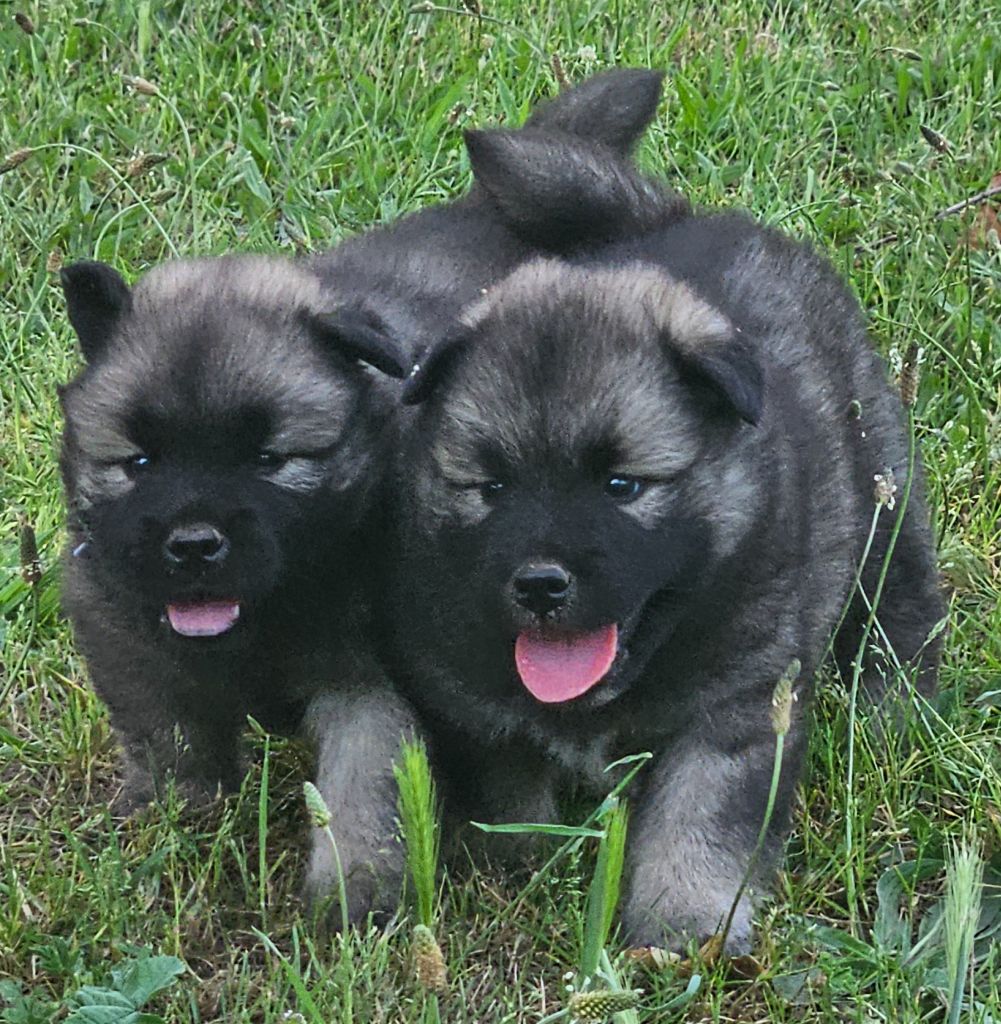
[220,436]
[570,489]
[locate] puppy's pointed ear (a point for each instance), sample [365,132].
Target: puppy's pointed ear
[433,367]
[361,335]
[731,368]
[97,297]
[709,348]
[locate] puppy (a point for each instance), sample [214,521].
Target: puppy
[636,488]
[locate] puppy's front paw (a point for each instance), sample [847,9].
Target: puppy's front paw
[674,919]
[372,882]
[136,793]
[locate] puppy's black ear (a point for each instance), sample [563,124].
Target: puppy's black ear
[360,334]
[708,348]
[731,369]
[612,108]
[559,193]
[433,367]
[97,297]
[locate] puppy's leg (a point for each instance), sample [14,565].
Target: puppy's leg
[357,735]
[693,836]
[504,783]
[167,723]
[202,757]
[195,742]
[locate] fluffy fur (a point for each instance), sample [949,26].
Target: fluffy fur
[668,425]
[220,450]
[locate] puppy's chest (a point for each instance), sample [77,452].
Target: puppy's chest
[582,759]
[578,747]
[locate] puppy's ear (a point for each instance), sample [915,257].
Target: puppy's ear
[97,297]
[559,193]
[612,108]
[709,348]
[731,368]
[359,334]
[433,367]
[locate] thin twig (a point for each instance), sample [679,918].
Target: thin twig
[10,682]
[856,585]
[971,201]
[852,711]
[342,891]
[432,8]
[963,204]
[878,243]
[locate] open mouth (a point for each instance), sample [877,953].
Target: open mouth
[558,666]
[203,618]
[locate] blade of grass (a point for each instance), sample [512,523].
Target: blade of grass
[603,894]
[262,834]
[850,873]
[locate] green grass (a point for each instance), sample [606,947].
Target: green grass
[287,126]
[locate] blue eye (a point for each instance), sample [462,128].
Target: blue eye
[491,490]
[623,488]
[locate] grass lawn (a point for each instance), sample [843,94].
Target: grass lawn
[284,127]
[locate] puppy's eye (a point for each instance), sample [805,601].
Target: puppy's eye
[623,488]
[491,490]
[271,460]
[136,464]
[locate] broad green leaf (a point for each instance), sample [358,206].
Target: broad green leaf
[142,979]
[24,1009]
[104,1015]
[109,998]
[800,987]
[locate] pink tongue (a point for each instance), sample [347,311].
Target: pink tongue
[203,618]
[556,668]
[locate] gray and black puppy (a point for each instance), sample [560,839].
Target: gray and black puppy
[219,457]
[637,486]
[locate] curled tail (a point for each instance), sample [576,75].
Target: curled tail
[559,192]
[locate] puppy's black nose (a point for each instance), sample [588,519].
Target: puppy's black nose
[194,546]
[541,587]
